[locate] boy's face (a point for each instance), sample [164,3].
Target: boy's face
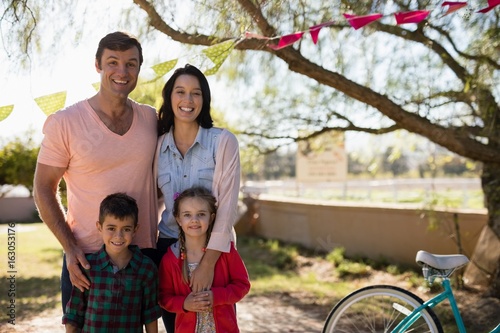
[117,234]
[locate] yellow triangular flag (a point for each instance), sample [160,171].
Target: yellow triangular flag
[51,103]
[5,111]
[213,70]
[96,85]
[219,52]
[164,67]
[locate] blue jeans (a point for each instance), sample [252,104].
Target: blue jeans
[66,285]
[161,248]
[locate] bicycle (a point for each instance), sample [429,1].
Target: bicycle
[385,308]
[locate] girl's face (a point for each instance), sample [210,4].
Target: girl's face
[194,217]
[187,99]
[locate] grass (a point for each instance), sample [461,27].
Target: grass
[274,268]
[37,267]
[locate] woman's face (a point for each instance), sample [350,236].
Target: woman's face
[187,99]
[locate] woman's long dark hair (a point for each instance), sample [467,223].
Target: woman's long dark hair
[166,114]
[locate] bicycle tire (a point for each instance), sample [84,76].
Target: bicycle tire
[371,309]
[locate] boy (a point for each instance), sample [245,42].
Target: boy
[124,282]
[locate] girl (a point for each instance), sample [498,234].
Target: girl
[212,310]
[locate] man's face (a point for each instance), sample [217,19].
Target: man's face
[119,71]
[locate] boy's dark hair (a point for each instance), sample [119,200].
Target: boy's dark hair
[166,114]
[120,206]
[118,41]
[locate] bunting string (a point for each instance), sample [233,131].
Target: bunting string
[219,52]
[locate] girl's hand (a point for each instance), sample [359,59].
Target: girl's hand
[198,302]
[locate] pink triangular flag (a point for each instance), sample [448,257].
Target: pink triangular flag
[453,6]
[360,21]
[314,30]
[287,40]
[491,4]
[415,16]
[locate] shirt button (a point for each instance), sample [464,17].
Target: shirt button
[185,176]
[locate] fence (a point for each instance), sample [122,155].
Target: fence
[451,192]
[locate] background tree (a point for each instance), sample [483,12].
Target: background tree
[438,79]
[18,162]
[395,161]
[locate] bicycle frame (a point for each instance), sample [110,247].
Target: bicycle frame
[431,303]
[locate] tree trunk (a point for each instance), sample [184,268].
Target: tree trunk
[490,181]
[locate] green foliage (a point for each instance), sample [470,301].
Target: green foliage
[353,269]
[336,256]
[149,93]
[18,161]
[281,256]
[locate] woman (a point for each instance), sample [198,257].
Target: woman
[191,152]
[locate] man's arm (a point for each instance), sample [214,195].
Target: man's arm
[45,192]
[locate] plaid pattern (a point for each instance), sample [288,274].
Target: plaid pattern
[116,302]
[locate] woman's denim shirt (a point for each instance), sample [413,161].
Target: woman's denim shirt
[177,173]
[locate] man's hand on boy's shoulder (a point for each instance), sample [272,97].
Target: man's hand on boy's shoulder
[75,261]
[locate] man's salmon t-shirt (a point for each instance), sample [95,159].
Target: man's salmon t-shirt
[100,162]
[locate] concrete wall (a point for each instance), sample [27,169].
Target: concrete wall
[391,232]
[18,209]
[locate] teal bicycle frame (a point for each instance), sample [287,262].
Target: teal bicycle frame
[431,303]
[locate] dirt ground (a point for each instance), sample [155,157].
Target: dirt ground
[298,313]
[280,314]
[255,314]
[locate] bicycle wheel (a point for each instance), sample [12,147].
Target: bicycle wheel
[379,309]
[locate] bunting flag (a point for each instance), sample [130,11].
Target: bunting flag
[51,103]
[314,30]
[491,4]
[5,111]
[360,21]
[218,53]
[453,6]
[287,40]
[161,69]
[415,16]
[164,67]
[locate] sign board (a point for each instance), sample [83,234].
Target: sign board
[322,159]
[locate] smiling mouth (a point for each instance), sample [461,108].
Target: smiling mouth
[184,109]
[120,82]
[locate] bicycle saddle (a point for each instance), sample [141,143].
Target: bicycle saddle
[441,261]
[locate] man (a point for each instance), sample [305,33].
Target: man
[100,145]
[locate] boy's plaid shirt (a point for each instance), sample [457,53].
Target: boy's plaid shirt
[116,302]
